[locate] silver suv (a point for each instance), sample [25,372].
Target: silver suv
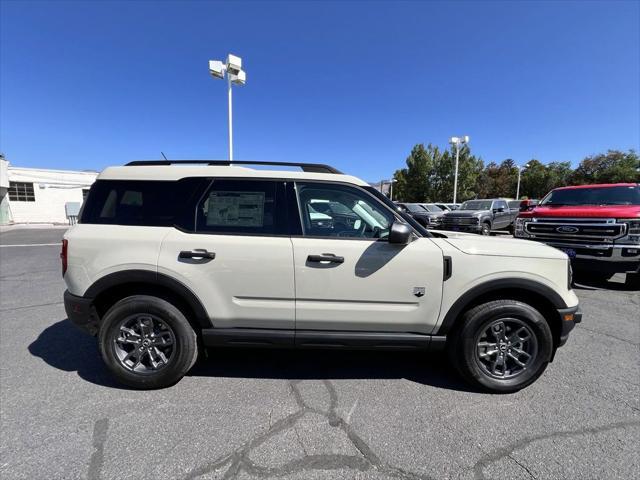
[172,257]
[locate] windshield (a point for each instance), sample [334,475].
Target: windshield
[622,195]
[476,205]
[432,208]
[414,208]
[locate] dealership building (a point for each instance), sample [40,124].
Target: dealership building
[35,195]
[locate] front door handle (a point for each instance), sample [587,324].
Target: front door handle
[197,254]
[325,257]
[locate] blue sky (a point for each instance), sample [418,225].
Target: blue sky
[84,85]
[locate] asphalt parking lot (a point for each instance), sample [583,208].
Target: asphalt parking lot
[305,415]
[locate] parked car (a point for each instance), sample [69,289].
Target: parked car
[448,207]
[480,216]
[597,226]
[428,217]
[528,204]
[245,258]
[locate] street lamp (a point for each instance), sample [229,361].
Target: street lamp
[391,182]
[457,141]
[235,75]
[519,172]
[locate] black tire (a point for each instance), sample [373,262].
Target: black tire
[464,349]
[486,229]
[165,324]
[632,281]
[593,276]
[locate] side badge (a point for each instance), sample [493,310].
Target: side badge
[419,291]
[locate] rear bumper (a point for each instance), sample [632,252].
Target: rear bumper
[569,317]
[81,313]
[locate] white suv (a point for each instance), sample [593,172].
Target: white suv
[170,257]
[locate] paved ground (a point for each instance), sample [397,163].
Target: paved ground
[305,415]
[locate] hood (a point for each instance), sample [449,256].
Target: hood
[466,213]
[595,211]
[502,247]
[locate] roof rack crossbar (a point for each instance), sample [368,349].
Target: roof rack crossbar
[306,167]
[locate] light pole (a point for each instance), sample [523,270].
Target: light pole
[235,75]
[457,141]
[391,182]
[519,172]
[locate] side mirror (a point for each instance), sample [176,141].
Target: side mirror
[399,234]
[498,210]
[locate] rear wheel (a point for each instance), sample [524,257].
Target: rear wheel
[502,346]
[146,342]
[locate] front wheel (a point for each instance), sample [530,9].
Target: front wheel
[146,342]
[502,346]
[485,229]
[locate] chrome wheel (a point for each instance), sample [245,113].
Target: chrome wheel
[144,343]
[506,348]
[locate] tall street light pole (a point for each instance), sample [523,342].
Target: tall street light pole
[457,141]
[391,182]
[232,67]
[519,173]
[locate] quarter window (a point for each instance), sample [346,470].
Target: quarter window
[341,211]
[21,192]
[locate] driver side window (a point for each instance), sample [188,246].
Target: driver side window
[331,210]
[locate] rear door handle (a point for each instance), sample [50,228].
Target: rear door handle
[325,257]
[197,254]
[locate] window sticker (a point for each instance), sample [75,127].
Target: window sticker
[238,209]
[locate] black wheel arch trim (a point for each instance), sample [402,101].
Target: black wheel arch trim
[472,294]
[148,277]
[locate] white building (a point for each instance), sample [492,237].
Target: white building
[34,195]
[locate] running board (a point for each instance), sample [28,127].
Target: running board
[273,338]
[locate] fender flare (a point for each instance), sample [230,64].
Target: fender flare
[472,294]
[148,277]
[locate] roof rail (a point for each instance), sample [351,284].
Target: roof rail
[306,167]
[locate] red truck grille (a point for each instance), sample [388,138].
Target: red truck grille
[572,229]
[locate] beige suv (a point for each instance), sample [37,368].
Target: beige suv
[170,257]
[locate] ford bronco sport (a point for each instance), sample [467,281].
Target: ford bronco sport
[169,258]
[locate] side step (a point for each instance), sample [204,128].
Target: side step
[272,338]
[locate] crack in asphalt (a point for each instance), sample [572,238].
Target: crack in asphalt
[608,335]
[100,429]
[507,451]
[30,306]
[238,460]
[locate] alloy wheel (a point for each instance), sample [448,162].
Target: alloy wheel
[506,348]
[144,343]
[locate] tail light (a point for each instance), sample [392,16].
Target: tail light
[63,255]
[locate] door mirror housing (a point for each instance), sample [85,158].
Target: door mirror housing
[400,233]
[498,210]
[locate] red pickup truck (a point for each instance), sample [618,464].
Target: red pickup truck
[597,226]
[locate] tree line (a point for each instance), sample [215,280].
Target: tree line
[428,176]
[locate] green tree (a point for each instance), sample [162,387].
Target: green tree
[412,182]
[611,167]
[429,175]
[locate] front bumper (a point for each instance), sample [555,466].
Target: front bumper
[475,228]
[81,312]
[614,258]
[569,317]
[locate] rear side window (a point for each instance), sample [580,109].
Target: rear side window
[145,203]
[246,207]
